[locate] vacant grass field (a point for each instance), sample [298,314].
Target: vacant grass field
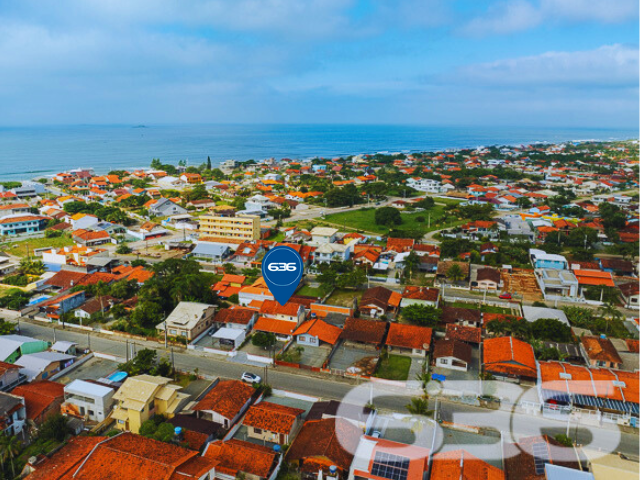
[395,368]
[364,219]
[309,291]
[483,308]
[343,298]
[21,248]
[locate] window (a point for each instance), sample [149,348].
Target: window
[257,431]
[91,413]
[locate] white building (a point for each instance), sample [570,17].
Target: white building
[332,252]
[320,235]
[88,400]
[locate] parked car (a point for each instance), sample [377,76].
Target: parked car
[505,296]
[251,377]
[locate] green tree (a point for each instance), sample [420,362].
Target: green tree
[422,315]
[550,329]
[263,339]
[208,163]
[455,273]
[388,216]
[54,428]
[6,328]
[31,267]
[10,448]
[123,249]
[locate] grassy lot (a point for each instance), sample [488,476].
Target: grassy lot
[483,308]
[309,291]
[19,249]
[343,298]
[278,237]
[364,219]
[395,368]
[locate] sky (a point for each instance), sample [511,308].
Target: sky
[544,63]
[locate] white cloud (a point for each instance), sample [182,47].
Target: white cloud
[511,16]
[608,66]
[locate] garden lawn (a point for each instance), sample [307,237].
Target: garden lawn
[395,368]
[343,298]
[309,291]
[483,308]
[20,249]
[364,219]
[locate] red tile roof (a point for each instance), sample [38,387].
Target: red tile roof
[39,396]
[365,331]
[421,293]
[409,336]
[461,465]
[272,417]
[66,460]
[227,398]
[600,349]
[319,328]
[508,355]
[463,333]
[519,459]
[271,307]
[240,316]
[279,327]
[236,456]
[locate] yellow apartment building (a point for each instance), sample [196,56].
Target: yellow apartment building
[230,228]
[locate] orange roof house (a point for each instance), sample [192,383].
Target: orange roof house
[409,337]
[272,422]
[320,330]
[509,357]
[594,278]
[225,402]
[42,398]
[600,352]
[460,464]
[237,456]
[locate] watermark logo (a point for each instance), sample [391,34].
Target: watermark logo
[282,269]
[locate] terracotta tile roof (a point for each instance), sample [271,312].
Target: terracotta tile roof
[272,417]
[421,293]
[519,461]
[236,456]
[509,355]
[461,465]
[66,460]
[632,345]
[452,348]
[588,277]
[319,328]
[463,333]
[280,327]
[400,244]
[455,314]
[227,398]
[5,367]
[600,349]
[22,218]
[490,274]
[365,331]
[87,235]
[332,439]
[271,307]
[378,296]
[409,336]
[39,396]
[240,316]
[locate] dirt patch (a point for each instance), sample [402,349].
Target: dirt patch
[364,366]
[522,282]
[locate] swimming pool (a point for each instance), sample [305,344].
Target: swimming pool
[117,376]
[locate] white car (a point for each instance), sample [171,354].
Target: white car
[251,377]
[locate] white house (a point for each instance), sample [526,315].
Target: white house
[88,400]
[332,252]
[320,235]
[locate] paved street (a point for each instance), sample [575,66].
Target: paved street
[336,388]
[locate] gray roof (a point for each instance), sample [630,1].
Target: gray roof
[11,343]
[210,248]
[35,363]
[62,346]
[531,314]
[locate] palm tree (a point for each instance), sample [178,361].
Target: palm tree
[455,273]
[101,290]
[419,408]
[10,448]
[609,311]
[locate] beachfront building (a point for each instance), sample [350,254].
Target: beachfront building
[230,228]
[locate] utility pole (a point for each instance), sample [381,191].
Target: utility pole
[173,363]
[89,340]
[126,350]
[165,333]
[54,334]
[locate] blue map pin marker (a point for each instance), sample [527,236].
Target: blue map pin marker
[282,270]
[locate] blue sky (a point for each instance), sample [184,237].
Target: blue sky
[546,63]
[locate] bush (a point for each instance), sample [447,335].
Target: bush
[123,249]
[562,439]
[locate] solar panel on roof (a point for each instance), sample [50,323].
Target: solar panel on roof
[540,456]
[387,465]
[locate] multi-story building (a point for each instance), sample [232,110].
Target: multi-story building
[17,224]
[232,228]
[141,398]
[88,400]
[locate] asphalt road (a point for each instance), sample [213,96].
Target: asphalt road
[388,398]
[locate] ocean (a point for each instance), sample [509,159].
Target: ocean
[28,152]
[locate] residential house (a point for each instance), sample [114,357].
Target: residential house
[22,223]
[42,399]
[10,376]
[196,432]
[410,339]
[256,292]
[91,238]
[87,400]
[452,354]
[332,252]
[378,301]
[191,178]
[237,458]
[14,209]
[321,235]
[144,396]
[631,294]
[322,444]
[557,284]
[462,316]
[188,320]
[236,317]
[210,252]
[600,352]
[61,304]
[486,278]
[125,457]
[623,268]
[13,414]
[94,306]
[247,253]
[271,422]
[444,272]
[42,365]
[226,402]
[377,458]
[507,358]
[541,259]
[426,296]
[13,347]
[460,464]
[316,332]
[528,458]
[163,207]
[363,332]
[229,285]
[463,333]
